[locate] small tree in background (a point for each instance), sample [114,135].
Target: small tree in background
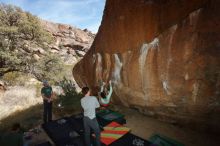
[49,67]
[69,102]
[20,32]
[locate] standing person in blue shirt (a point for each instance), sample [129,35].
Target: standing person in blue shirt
[47,94]
[89,105]
[105,96]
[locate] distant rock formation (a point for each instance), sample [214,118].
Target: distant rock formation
[163,57]
[70,44]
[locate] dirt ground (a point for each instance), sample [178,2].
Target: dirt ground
[145,126]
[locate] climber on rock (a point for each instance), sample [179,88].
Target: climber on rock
[105,96]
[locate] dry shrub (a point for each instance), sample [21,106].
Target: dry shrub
[18,98]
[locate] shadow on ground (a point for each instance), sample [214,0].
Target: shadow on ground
[32,117]
[28,118]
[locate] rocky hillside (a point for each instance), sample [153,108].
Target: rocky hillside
[163,57]
[26,47]
[70,43]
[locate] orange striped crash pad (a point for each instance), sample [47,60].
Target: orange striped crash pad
[112,132]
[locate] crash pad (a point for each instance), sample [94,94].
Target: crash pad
[161,140]
[105,117]
[113,132]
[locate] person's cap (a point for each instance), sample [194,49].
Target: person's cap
[45,82]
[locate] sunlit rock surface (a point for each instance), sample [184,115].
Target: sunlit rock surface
[70,43]
[163,57]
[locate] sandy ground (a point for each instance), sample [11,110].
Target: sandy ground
[145,126]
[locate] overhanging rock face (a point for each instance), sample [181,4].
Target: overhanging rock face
[163,57]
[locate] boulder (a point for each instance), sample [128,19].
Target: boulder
[163,57]
[36,57]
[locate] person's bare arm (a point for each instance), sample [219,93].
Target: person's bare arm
[108,97]
[44,97]
[52,96]
[102,87]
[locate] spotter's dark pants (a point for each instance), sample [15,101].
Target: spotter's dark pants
[88,125]
[47,115]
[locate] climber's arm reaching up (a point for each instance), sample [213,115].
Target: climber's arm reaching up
[110,91]
[102,87]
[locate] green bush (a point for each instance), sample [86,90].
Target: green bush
[49,67]
[69,102]
[15,78]
[38,87]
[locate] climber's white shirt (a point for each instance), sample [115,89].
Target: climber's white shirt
[89,104]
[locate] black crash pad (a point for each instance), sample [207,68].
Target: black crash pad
[63,132]
[44,144]
[105,117]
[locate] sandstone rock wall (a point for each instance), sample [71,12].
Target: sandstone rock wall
[163,57]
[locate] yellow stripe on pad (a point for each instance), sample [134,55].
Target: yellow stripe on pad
[117,128]
[109,135]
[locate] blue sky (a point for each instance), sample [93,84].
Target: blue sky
[79,13]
